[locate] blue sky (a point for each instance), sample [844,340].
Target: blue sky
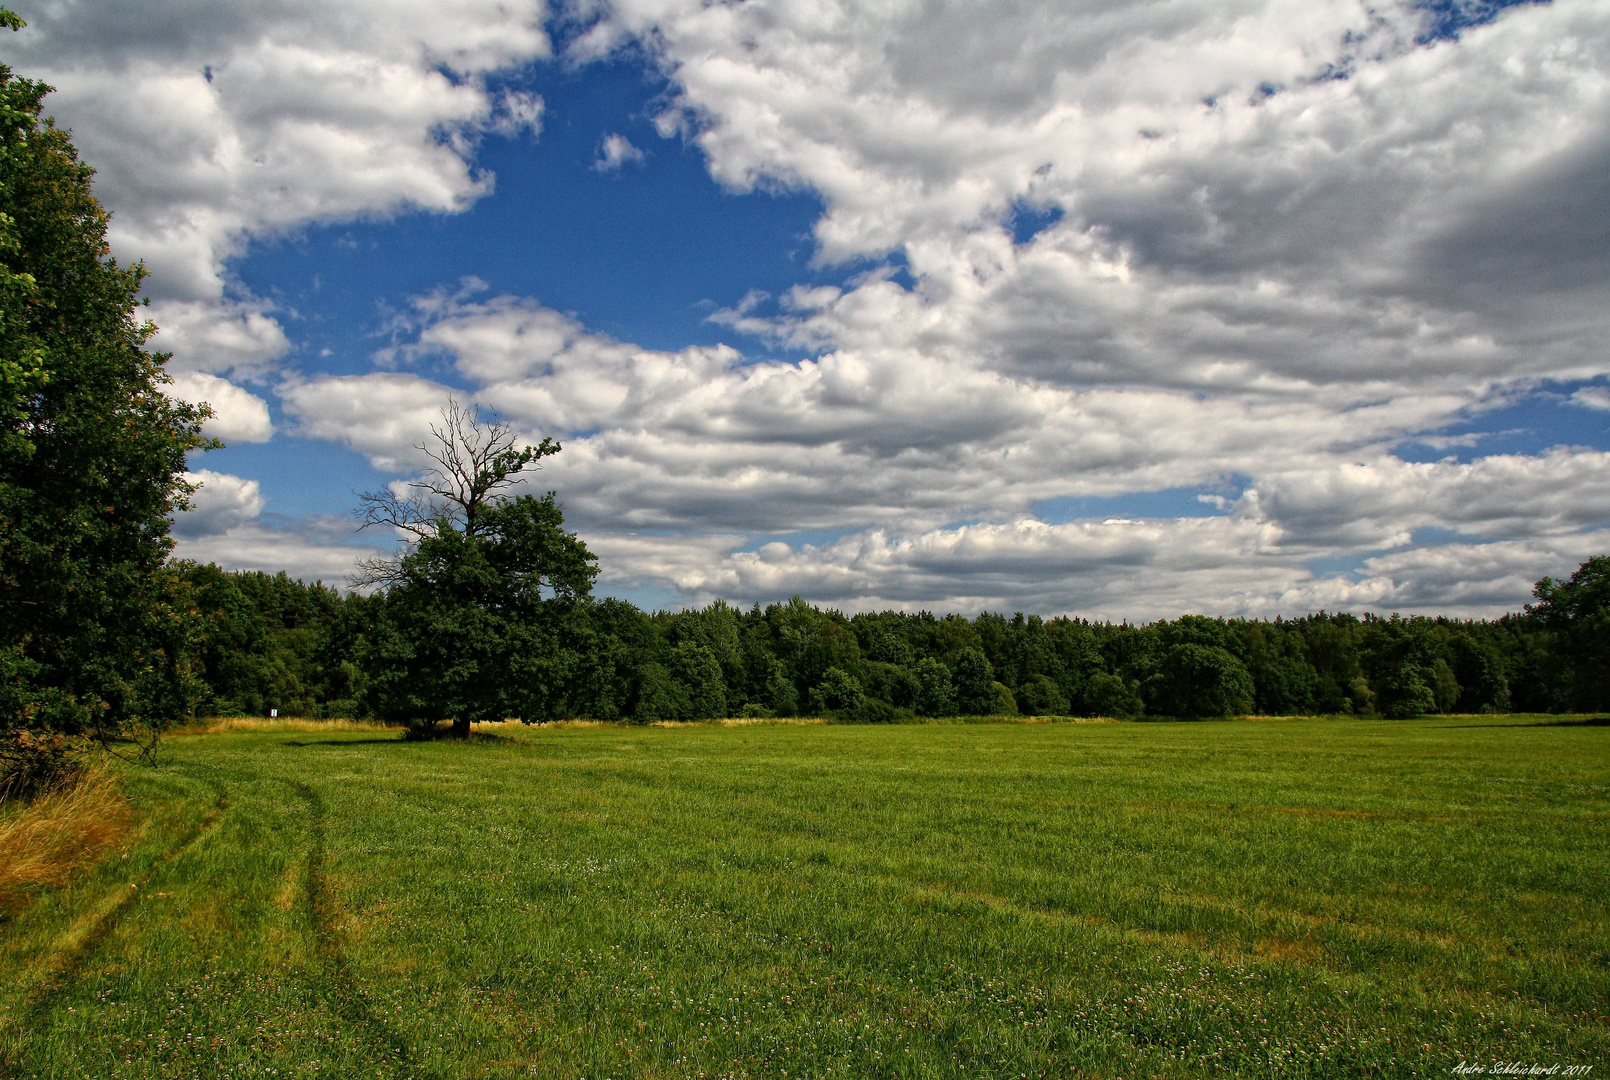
[1123,311]
[643,253]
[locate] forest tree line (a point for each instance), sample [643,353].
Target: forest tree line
[272,642]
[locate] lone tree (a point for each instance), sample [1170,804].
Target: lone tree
[92,456]
[469,624]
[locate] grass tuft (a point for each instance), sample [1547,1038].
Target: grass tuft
[44,841]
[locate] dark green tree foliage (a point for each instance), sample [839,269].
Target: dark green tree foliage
[472,626]
[695,666]
[1041,696]
[270,642]
[92,455]
[474,621]
[975,683]
[1200,680]
[1576,612]
[1404,666]
[838,692]
[936,691]
[608,660]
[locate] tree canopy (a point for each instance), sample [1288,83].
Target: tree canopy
[469,626]
[1577,610]
[556,654]
[92,456]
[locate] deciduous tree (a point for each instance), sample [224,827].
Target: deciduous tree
[470,628]
[92,456]
[1577,610]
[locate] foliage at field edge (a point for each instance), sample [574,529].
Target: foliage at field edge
[307,650]
[92,460]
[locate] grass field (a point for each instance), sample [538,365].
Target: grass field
[1301,898]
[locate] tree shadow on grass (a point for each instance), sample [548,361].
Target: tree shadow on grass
[1590,721]
[402,740]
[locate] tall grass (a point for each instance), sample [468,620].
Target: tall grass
[218,725]
[43,841]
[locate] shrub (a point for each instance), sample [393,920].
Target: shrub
[35,764]
[839,692]
[1106,694]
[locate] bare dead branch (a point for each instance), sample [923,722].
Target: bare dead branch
[471,460]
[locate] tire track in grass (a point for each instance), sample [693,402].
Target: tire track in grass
[321,914]
[66,961]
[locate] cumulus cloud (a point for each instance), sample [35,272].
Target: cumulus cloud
[220,502]
[211,126]
[1592,397]
[615,152]
[1233,215]
[225,525]
[383,416]
[1272,234]
[517,113]
[1272,239]
[893,448]
[238,415]
[901,437]
[1113,570]
[301,552]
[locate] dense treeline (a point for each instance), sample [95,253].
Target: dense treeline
[273,642]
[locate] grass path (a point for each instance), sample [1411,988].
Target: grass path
[56,970]
[1307,898]
[322,916]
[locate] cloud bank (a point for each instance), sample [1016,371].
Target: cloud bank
[1245,248]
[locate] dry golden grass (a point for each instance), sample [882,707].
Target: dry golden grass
[42,842]
[215,725]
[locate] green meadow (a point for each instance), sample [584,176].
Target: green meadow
[1296,898]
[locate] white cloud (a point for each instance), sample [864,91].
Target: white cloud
[224,525]
[237,414]
[212,125]
[1343,238]
[255,546]
[220,502]
[226,334]
[1250,269]
[1116,570]
[893,448]
[383,416]
[517,113]
[1379,504]
[615,152]
[1254,277]
[1592,397]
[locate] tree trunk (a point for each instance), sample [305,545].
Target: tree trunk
[461,727]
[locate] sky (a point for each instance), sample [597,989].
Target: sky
[1118,308]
